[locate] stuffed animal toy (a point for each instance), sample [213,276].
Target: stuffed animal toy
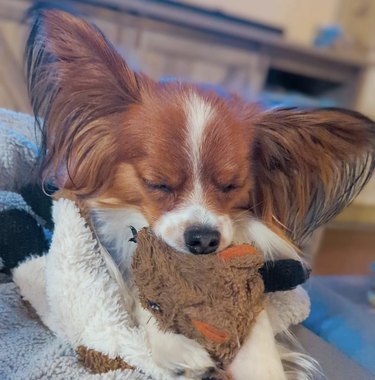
[213,299]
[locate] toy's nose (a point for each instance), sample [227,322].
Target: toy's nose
[200,239]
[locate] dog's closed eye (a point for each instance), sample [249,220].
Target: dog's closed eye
[163,187]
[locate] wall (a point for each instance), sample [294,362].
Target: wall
[299,18]
[13,93]
[357,18]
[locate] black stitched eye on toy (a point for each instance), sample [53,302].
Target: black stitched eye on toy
[135,233]
[154,306]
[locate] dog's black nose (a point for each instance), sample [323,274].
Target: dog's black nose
[201,240]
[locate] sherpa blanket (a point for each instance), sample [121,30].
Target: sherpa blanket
[18,158]
[29,351]
[18,150]
[75,298]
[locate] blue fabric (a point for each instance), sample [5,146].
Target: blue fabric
[347,325]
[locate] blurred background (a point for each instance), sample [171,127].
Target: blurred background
[278,52]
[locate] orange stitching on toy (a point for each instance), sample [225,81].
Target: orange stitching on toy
[237,251]
[211,332]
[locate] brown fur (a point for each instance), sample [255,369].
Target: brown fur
[65,75]
[222,297]
[100,363]
[309,164]
[109,133]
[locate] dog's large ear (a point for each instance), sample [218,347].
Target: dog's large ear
[309,165]
[78,85]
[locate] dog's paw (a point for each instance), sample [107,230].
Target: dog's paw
[258,358]
[181,356]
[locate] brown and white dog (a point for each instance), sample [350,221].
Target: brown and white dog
[203,172]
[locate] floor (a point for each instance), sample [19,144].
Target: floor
[345,251]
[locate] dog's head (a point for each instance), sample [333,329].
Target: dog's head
[192,164]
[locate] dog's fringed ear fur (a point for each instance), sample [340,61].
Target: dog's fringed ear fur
[79,87]
[309,165]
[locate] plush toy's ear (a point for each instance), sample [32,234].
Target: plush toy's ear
[79,88]
[282,275]
[308,165]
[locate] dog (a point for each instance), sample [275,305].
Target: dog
[202,171]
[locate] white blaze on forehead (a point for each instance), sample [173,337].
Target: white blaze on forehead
[198,114]
[193,211]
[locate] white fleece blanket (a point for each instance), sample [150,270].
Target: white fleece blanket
[79,302]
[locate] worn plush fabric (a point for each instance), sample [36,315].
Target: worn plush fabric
[200,294]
